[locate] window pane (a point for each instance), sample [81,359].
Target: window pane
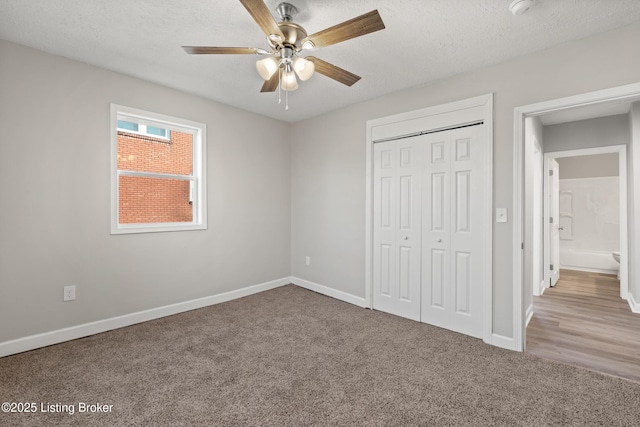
[153,200]
[127,125]
[136,152]
[152,130]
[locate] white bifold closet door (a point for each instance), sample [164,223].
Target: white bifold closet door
[397,216]
[452,235]
[428,237]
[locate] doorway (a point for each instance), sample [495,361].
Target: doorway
[587,212]
[594,101]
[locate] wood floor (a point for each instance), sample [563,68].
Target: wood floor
[582,321]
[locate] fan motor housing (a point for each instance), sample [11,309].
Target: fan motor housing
[293,34]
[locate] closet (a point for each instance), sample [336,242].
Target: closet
[428,227]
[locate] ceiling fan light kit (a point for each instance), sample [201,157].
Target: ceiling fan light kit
[289,81]
[267,67]
[303,68]
[287,40]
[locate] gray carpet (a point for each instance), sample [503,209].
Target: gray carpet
[293,357]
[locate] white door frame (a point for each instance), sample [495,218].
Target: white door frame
[537,239]
[622,93]
[621,150]
[411,123]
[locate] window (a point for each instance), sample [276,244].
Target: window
[157,172]
[142,129]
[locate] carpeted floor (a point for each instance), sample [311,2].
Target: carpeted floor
[293,357]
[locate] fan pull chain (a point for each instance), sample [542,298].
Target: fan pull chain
[286,96]
[279,86]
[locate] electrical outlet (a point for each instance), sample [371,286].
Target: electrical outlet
[69,293]
[307,260]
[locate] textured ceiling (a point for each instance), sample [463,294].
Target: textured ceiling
[423,41]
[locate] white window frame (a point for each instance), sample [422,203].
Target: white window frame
[197,178]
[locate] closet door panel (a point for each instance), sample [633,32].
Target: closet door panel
[407,234]
[467,235]
[397,224]
[384,219]
[436,214]
[452,212]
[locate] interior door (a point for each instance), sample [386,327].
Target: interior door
[397,223]
[554,221]
[452,236]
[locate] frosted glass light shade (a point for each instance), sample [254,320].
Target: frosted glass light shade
[289,81]
[267,67]
[304,68]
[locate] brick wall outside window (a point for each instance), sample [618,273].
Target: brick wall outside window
[152,200]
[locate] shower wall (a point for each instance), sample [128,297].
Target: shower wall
[590,197]
[590,222]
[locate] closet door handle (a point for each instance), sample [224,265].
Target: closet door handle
[405,238]
[438,240]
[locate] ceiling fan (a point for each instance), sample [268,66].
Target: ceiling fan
[287,40]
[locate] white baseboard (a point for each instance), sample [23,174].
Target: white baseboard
[529,315]
[588,269]
[503,342]
[321,289]
[635,307]
[496,339]
[74,332]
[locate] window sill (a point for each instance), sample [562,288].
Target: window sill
[155,228]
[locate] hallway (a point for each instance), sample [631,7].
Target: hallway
[582,321]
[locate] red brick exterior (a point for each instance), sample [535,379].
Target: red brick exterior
[152,200]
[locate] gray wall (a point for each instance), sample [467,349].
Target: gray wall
[634,202]
[328,155]
[593,166]
[54,192]
[598,132]
[277,192]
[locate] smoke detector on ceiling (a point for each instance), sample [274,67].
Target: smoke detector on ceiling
[518,7]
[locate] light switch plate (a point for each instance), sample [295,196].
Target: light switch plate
[501,214]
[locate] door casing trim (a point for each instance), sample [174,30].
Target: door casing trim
[622,93]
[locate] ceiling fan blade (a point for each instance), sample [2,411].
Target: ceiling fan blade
[195,50]
[331,71]
[356,27]
[260,13]
[271,84]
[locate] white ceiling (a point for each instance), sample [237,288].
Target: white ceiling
[423,41]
